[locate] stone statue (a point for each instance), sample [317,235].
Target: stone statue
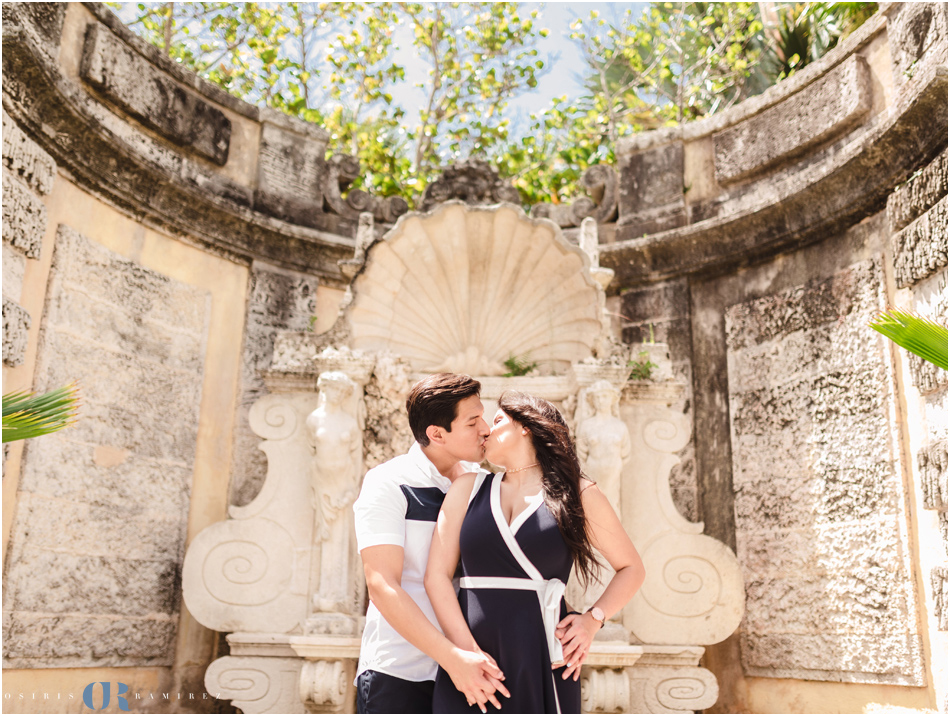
[336,444]
[603,440]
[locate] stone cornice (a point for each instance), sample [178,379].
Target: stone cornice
[126,165]
[835,188]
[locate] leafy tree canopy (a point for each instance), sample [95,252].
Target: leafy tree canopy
[337,64]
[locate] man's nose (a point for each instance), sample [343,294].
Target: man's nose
[483,428]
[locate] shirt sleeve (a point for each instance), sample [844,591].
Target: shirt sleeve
[380,512]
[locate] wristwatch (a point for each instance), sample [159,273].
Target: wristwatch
[598,614]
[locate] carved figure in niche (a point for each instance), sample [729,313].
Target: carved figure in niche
[603,440]
[336,444]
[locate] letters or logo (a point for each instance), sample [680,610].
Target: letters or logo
[87,695]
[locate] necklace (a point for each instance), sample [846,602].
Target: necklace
[520,469]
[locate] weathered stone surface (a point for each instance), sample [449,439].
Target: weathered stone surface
[920,193]
[938,582]
[16,325]
[34,641]
[914,30]
[930,299]
[817,494]
[827,108]
[77,583]
[279,301]
[290,173]
[24,216]
[23,157]
[920,249]
[101,519]
[387,432]
[855,658]
[134,84]
[46,18]
[932,463]
[14,264]
[105,474]
[651,189]
[147,533]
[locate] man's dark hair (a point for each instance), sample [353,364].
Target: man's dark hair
[434,401]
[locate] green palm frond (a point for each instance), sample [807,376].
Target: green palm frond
[28,415]
[921,336]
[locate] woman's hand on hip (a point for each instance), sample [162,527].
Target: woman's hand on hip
[576,632]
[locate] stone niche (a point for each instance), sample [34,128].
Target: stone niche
[461,288]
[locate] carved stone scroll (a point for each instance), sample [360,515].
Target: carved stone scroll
[256,684]
[600,204]
[342,170]
[693,593]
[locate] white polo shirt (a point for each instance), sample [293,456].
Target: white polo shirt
[399,504]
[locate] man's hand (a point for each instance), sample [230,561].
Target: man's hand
[576,632]
[477,676]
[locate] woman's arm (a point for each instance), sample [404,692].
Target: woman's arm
[444,559]
[608,536]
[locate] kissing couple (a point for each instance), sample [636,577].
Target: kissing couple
[504,640]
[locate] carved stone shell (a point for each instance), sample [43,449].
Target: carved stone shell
[464,288]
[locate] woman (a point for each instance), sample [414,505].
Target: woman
[518,533]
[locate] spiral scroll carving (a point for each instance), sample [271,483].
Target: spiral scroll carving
[273,418]
[249,573]
[666,436]
[680,692]
[256,684]
[690,587]
[237,682]
[693,593]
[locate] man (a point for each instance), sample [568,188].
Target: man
[395,516]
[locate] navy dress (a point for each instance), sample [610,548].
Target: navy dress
[508,623]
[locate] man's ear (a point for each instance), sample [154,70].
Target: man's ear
[435,434]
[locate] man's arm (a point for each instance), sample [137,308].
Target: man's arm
[475,675]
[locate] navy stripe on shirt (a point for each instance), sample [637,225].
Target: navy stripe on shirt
[424,503]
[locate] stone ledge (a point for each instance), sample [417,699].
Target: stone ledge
[772,96]
[920,249]
[131,83]
[920,193]
[16,325]
[182,197]
[828,108]
[838,190]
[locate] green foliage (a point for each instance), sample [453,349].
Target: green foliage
[641,369]
[921,336]
[335,64]
[803,32]
[28,415]
[518,366]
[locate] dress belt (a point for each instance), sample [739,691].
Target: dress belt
[549,593]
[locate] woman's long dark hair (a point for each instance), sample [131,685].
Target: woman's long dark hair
[561,480]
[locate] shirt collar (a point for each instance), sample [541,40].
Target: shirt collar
[420,460]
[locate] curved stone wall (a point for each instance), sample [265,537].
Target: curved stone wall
[159,233]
